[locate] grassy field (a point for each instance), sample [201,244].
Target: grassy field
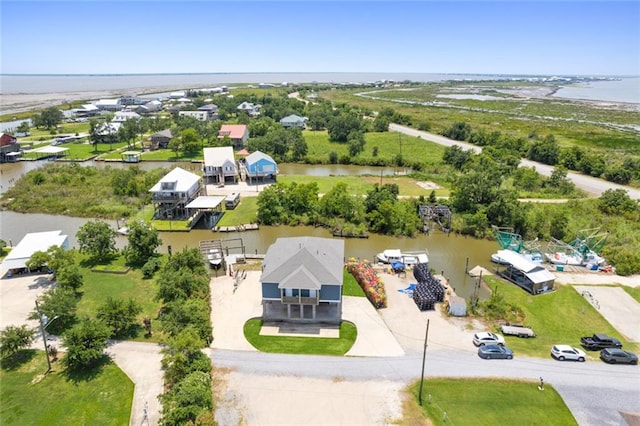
[516,117]
[490,402]
[561,317]
[389,145]
[98,286]
[60,398]
[301,345]
[360,185]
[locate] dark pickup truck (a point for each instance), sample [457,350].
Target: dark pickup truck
[599,341]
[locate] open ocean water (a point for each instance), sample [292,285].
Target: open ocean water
[623,90]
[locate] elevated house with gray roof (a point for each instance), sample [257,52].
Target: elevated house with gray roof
[302,280]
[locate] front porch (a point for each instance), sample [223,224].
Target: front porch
[323,312]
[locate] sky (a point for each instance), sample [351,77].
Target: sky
[479,37]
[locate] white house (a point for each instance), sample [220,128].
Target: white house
[122,116]
[249,108]
[173,192]
[219,165]
[112,105]
[17,258]
[198,115]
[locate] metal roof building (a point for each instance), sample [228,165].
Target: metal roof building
[31,243]
[521,271]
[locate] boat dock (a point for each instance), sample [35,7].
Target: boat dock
[238,228]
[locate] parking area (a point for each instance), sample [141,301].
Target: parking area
[617,307]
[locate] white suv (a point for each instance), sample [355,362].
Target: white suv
[486,338]
[562,352]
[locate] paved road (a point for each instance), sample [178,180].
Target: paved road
[593,391]
[590,184]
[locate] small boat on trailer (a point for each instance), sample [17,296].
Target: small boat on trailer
[215,257]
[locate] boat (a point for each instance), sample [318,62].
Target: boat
[124,230]
[215,257]
[561,258]
[497,259]
[408,259]
[389,256]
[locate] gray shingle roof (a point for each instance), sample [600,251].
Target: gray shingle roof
[304,262]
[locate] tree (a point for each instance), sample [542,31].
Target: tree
[97,239]
[616,201]
[299,149]
[85,344]
[187,400]
[23,127]
[341,125]
[189,259]
[544,150]
[143,241]
[70,277]
[270,209]
[119,315]
[456,156]
[183,356]
[459,131]
[190,142]
[193,312]
[356,143]
[49,118]
[181,284]
[15,338]
[381,124]
[57,302]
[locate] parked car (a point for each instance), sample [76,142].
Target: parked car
[566,352]
[618,356]
[495,352]
[487,338]
[517,330]
[599,341]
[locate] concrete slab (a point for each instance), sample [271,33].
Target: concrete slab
[300,330]
[374,337]
[618,307]
[142,363]
[18,297]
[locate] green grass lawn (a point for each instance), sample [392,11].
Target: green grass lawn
[633,292]
[244,213]
[169,155]
[301,345]
[491,402]
[350,286]
[28,398]
[561,317]
[98,286]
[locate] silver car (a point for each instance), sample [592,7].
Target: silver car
[566,352]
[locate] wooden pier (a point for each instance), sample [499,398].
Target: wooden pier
[238,228]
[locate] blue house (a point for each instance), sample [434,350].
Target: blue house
[259,165]
[302,280]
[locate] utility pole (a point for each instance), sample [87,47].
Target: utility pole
[424,356]
[44,336]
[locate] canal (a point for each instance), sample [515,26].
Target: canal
[448,253]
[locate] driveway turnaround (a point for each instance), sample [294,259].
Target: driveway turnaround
[141,362]
[616,306]
[232,306]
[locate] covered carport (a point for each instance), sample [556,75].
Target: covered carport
[207,206]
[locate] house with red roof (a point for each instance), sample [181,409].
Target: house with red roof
[238,133]
[9,148]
